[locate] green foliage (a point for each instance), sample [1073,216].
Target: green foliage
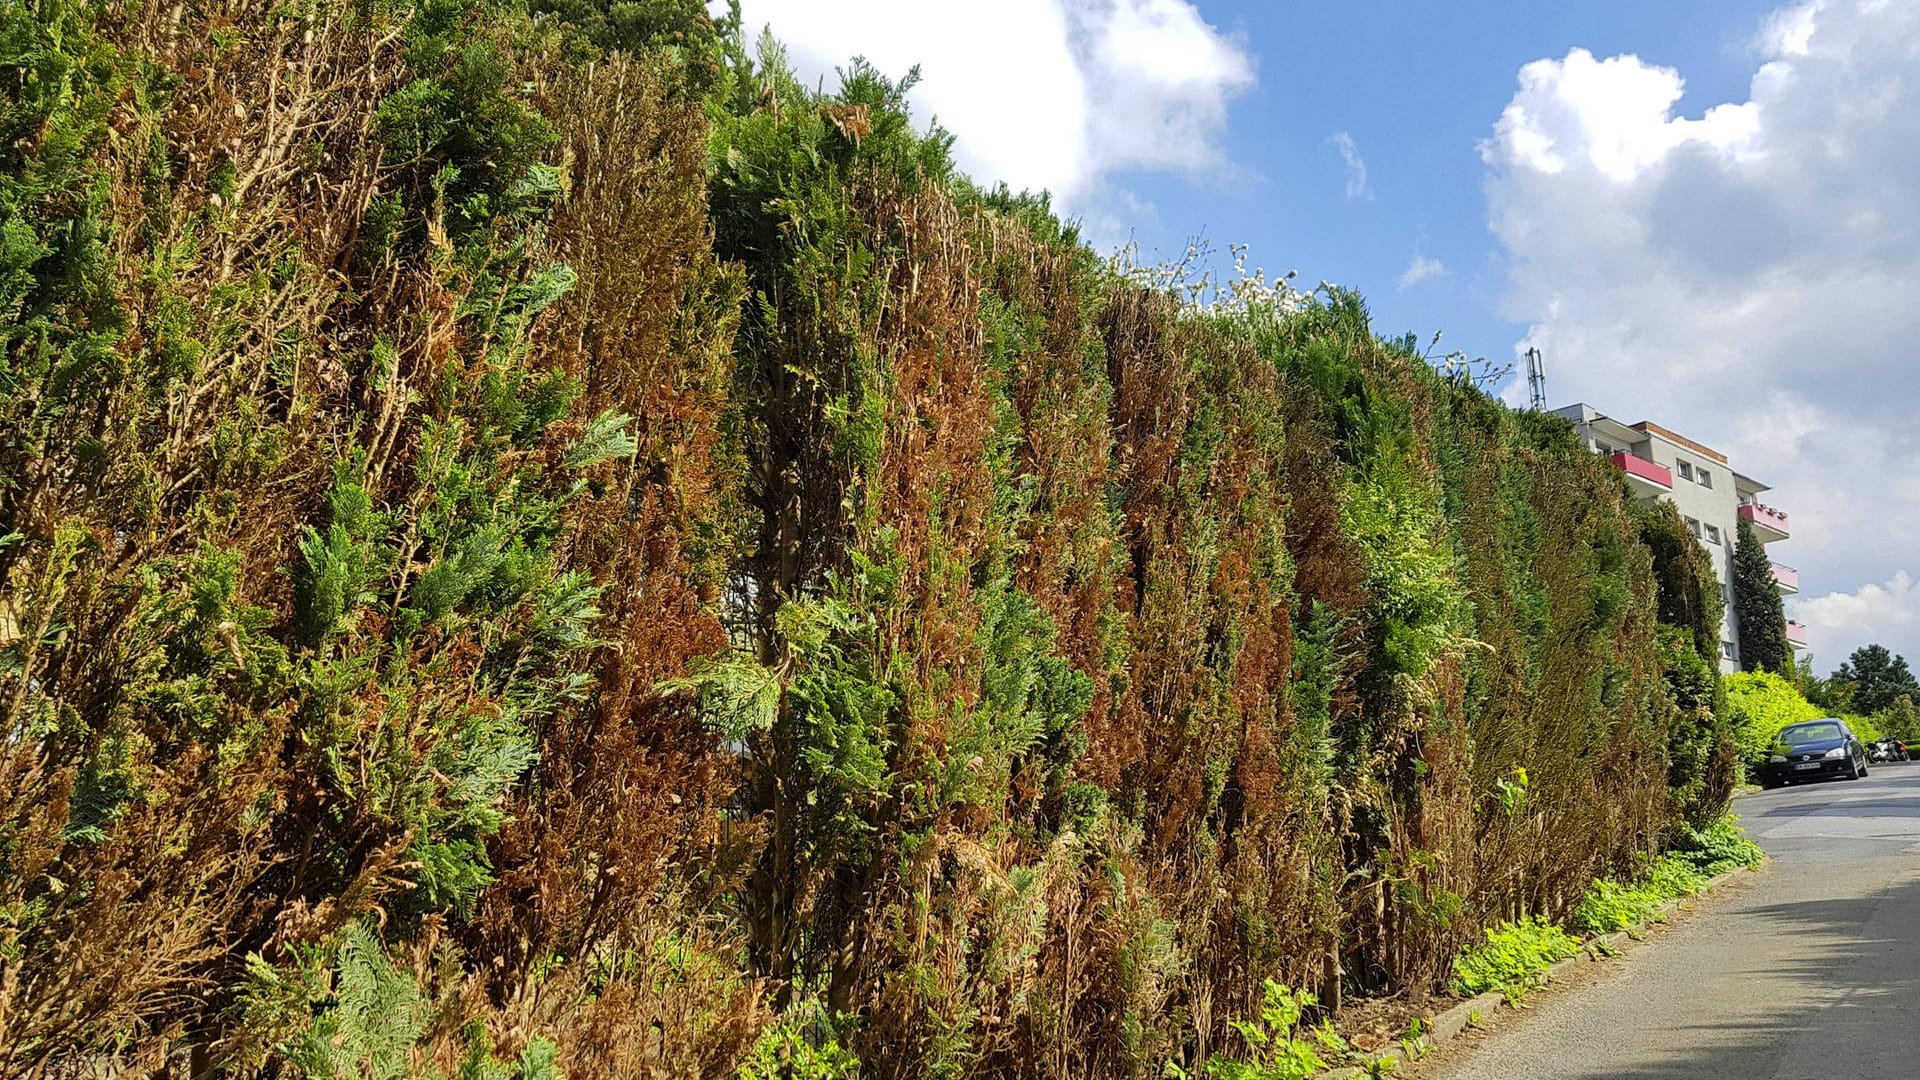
[653,524]
[803,1045]
[1278,1047]
[1511,792]
[1719,848]
[1702,766]
[1757,607]
[1901,720]
[1514,954]
[1688,595]
[1701,751]
[348,1012]
[1864,728]
[1761,703]
[369,1022]
[1873,679]
[738,696]
[1610,906]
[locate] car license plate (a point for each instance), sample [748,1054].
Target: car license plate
[1807,765]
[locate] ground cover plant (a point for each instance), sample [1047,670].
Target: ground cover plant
[1610,906]
[533,543]
[1514,956]
[1719,848]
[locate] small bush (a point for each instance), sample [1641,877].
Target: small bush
[1275,1046]
[1514,954]
[1673,877]
[1610,906]
[803,1045]
[1720,847]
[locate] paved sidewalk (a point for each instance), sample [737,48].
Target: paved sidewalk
[1809,971]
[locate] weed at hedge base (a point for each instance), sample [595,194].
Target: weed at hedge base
[1512,957]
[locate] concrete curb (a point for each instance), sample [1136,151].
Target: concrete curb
[1448,1025]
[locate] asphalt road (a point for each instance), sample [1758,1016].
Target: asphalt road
[1809,970]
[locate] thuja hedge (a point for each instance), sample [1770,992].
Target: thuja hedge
[538,544]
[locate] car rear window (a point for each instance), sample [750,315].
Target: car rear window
[1807,733]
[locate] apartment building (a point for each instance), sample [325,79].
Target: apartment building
[1707,490]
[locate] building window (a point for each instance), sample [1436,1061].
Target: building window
[1706,478]
[1713,534]
[1686,471]
[1693,526]
[1604,448]
[1726,649]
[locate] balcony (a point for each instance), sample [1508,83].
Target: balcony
[1769,524]
[1643,476]
[1796,634]
[1786,579]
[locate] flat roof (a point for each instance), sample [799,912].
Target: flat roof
[1582,411]
[1651,428]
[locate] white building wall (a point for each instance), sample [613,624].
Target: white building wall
[1703,492]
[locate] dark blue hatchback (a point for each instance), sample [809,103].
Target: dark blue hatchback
[1814,750]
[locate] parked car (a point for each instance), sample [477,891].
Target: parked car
[1814,750]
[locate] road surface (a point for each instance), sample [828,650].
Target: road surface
[1807,971]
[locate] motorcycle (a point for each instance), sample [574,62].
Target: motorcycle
[1880,752]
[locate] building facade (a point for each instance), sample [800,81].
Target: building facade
[1708,492]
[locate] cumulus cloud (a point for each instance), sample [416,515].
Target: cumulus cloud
[1745,274]
[1357,186]
[1422,269]
[1886,612]
[1054,94]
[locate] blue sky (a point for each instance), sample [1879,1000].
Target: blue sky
[1416,86]
[1707,215]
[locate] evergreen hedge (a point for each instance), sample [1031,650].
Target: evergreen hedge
[545,546]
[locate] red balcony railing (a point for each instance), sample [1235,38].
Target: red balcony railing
[1786,578]
[1642,469]
[1796,634]
[1764,517]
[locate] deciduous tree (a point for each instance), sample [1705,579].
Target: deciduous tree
[1876,679]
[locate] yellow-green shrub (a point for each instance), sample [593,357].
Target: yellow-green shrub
[1762,703]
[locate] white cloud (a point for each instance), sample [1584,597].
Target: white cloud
[1840,622]
[1747,275]
[1612,115]
[1357,186]
[1422,269]
[1055,94]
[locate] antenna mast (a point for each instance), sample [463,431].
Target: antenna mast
[1537,379]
